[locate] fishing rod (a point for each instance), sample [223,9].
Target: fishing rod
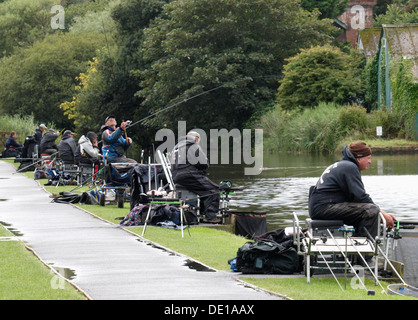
[195,96]
[175,104]
[385,257]
[34,163]
[130,124]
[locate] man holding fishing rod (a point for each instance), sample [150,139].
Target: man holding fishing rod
[115,141]
[340,195]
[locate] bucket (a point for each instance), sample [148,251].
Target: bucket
[250,224]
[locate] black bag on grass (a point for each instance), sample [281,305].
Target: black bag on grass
[271,253]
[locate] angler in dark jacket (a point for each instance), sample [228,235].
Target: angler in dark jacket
[188,165]
[48,145]
[67,147]
[38,134]
[340,195]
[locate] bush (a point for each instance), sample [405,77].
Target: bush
[325,127]
[315,130]
[23,125]
[320,74]
[352,118]
[387,120]
[405,97]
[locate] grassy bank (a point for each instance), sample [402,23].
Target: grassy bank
[328,127]
[25,277]
[214,248]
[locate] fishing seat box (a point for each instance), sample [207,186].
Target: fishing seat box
[319,227]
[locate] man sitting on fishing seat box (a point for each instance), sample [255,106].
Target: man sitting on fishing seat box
[188,165]
[114,143]
[48,145]
[340,195]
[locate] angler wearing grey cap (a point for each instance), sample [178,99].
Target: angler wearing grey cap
[67,147]
[38,133]
[48,145]
[188,165]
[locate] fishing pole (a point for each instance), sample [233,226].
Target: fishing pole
[33,164]
[176,104]
[197,95]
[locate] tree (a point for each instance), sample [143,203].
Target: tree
[397,14]
[237,47]
[22,22]
[320,74]
[108,86]
[35,80]
[328,8]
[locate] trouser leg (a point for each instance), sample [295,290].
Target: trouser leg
[359,215]
[205,188]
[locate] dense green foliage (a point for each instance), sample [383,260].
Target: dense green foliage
[328,8]
[36,79]
[23,22]
[398,14]
[109,85]
[236,46]
[324,128]
[405,97]
[221,61]
[371,77]
[320,74]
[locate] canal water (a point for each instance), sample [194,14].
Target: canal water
[282,187]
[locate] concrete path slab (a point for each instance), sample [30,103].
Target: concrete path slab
[108,262]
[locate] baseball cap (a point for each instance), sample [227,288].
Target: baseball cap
[68,132]
[109,117]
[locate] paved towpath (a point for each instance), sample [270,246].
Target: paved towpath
[108,262]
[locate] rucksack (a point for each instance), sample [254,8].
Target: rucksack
[267,256]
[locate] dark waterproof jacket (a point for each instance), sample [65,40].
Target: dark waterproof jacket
[340,182]
[11,143]
[48,142]
[67,148]
[38,136]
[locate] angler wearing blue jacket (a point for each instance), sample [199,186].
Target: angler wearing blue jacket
[114,143]
[340,195]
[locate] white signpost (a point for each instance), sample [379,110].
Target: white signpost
[379,131]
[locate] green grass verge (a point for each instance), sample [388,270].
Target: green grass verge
[211,247]
[323,289]
[25,277]
[381,143]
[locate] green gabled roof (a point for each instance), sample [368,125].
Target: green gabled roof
[402,41]
[369,40]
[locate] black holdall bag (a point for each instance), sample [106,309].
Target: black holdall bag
[267,256]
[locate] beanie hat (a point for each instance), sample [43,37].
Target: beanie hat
[360,149]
